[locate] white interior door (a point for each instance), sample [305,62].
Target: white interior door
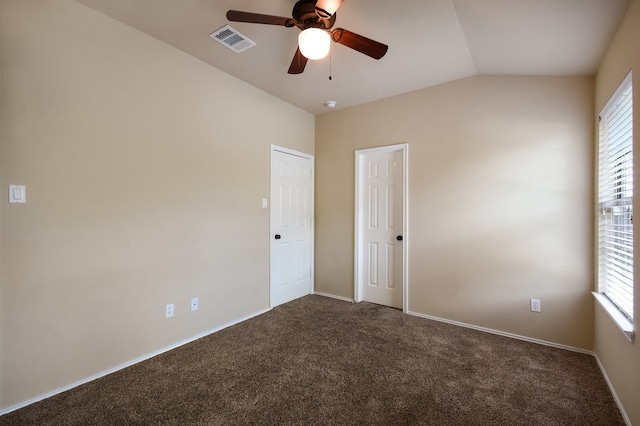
[380,239]
[291,226]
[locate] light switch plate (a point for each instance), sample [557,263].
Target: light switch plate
[17,194]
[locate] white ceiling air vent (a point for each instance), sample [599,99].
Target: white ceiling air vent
[232,39]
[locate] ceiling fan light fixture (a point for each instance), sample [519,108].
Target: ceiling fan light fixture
[314,43]
[326,8]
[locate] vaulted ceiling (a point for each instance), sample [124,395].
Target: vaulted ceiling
[430,42]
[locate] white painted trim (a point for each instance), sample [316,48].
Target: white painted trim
[291,152]
[405,228]
[613,391]
[313,219]
[624,85]
[359,159]
[126,364]
[540,342]
[333,296]
[616,316]
[502,333]
[205,334]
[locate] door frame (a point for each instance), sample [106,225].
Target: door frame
[310,157]
[361,154]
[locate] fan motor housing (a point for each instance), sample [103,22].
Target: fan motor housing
[304,13]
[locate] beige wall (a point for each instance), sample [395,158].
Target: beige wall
[500,201]
[127,146]
[621,359]
[145,169]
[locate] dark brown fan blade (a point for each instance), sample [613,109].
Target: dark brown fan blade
[258,18]
[298,63]
[360,43]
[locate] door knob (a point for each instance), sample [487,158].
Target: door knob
[277,237]
[399,238]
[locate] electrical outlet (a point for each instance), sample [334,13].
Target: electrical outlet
[535,305]
[194,304]
[168,311]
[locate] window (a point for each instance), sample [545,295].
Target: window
[615,205]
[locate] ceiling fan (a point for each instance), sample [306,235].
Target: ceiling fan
[315,18]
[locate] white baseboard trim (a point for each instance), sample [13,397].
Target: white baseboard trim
[333,296]
[613,391]
[127,364]
[541,342]
[502,333]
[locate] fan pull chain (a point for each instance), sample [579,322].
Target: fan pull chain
[330,63]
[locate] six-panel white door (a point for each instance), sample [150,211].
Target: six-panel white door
[381,229]
[291,226]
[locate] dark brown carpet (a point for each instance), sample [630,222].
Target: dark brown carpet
[322,361]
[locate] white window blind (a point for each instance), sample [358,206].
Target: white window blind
[615,200]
